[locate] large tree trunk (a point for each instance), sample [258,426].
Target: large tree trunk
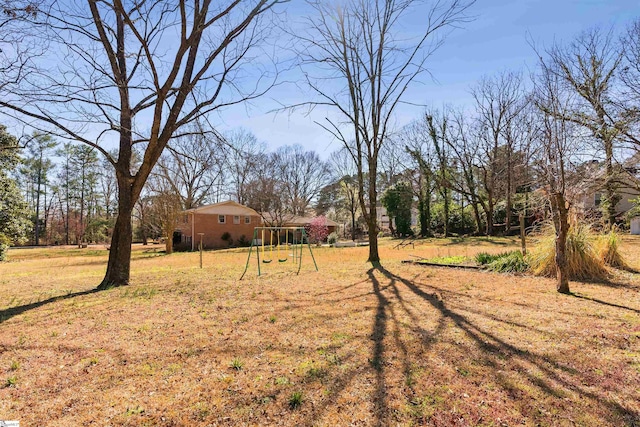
[374,257]
[372,220]
[561,224]
[119,264]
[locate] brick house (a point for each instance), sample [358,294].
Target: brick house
[214,221]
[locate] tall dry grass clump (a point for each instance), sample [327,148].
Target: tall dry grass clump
[608,250]
[584,261]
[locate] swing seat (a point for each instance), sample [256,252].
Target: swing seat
[266,261]
[282,260]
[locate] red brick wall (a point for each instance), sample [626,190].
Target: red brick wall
[213,230]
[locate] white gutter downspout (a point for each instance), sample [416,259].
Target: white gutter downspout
[193,230]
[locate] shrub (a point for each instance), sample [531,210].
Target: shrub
[508,262]
[484,258]
[243,241]
[583,261]
[459,222]
[332,238]
[226,236]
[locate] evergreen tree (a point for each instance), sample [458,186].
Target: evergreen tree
[398,200]
[14,214]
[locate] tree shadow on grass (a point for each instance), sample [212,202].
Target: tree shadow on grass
[409,310]
[610,304]
[10,312]
[553,378]
[377,335]
[549,376]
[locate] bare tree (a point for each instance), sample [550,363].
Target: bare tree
[135,73]
[265,193]
[463,142]
[108,186]
[142,214]
[589,66]
[499,100]
[557,146]
[166,205]
[419,169]
[302,173]
[193,165]
[390,163]
[343,167]
[244,153]
[362,48]
[437,127]
[630,76]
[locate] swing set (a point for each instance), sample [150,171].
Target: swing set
[295,245]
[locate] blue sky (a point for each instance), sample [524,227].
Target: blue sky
[498,39]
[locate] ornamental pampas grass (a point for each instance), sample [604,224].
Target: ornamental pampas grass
[584,262]
[608,248]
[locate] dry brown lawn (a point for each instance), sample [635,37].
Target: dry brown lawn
[399,345]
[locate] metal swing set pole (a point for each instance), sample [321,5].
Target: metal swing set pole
[296,251]
[304,235]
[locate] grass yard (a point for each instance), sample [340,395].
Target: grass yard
[348,345]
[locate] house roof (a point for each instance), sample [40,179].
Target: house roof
[223,208]
[296,221]
[591,177]
[303,220]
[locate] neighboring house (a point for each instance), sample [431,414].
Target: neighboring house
[293,221]
[589,191]
[214,221]
[384,220]
[302,221]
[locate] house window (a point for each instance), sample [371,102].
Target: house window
[247,220]
[236,219]
[221,219]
